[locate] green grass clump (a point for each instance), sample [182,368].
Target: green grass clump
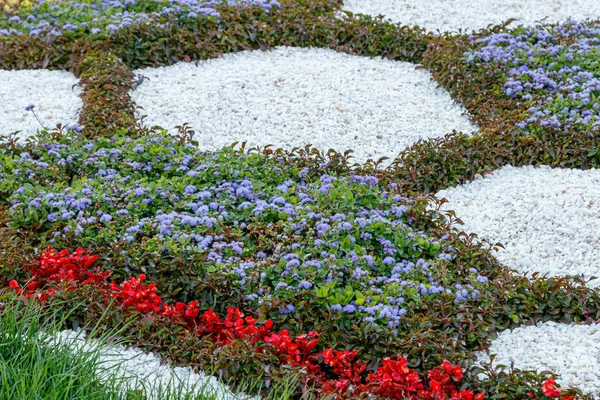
[35,365]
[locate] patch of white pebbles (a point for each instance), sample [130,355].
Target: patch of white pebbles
[290,97]
[140,370]
[571,351]
[470,15]
[53,93]
[547,219]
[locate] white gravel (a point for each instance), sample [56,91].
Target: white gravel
[547,219]
[52,93]
[143,371]
[291,97]
[572,351]
[470,15]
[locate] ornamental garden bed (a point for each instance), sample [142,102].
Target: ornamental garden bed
[405,213]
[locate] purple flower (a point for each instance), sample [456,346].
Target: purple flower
[74,127]
[304,285]
[292,263]
[190,189]
[287,309]
[323,227]
[70,27]
[388,261]
[349,308]
[30,107]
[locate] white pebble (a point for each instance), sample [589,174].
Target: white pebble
[291,97]
[469,15]
[538,215]
[55,98]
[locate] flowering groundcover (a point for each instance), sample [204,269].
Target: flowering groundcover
[288,241]
[334,373]
[103,17]
[532,91]
[298,247]
[271,250]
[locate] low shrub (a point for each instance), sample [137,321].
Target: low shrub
[337,374]
[107,103]
[514,87]
[296,23]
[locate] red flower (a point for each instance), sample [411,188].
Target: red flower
[134,294]
[333,372]
[467,395]
[394,379]
[549,388]
[15,285]
[453,370]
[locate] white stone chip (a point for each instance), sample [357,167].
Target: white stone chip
[472,15]
[290,97]
[571,351]
[547,219]
[53,93]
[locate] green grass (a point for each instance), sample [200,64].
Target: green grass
[30,369]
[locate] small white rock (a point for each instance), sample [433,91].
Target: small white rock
[53,93]
[291,97]
[543,229]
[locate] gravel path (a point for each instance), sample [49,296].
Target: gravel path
[572,351]
[469,15]
[547,219]
[52,93]
[293,96]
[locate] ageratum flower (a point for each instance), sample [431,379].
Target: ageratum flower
[545,68]
[276,246]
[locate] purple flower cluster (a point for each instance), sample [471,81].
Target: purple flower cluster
[55,18]
[553,71]
[280,234]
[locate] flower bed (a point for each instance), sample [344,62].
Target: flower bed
[294,241]
[295,261]
[57,18]
[336,373]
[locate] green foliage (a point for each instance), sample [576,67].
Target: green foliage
[107,104]
[297,23]
[457,158]
[434,329]
[32,369]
